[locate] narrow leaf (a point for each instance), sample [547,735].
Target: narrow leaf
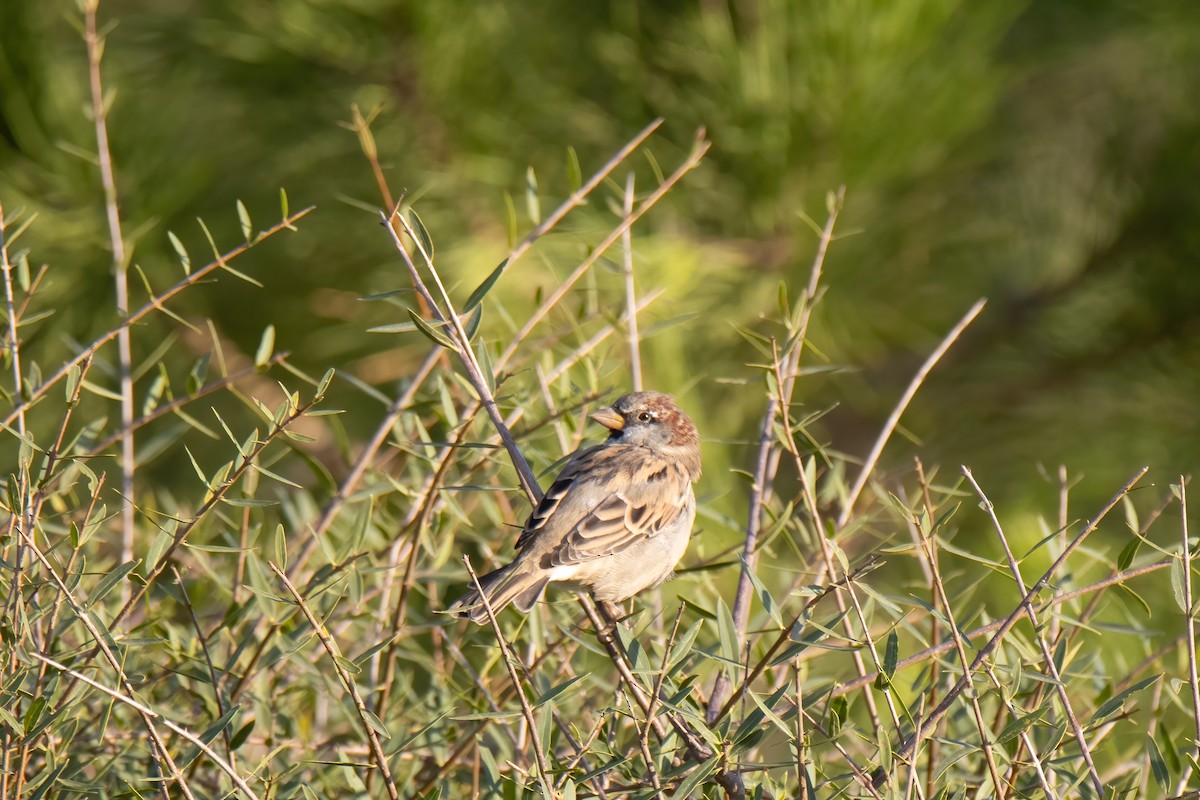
[431,333]
[266,347]
[244,218]
[423,239]
[482,289]
[110,580]
[533,206]
[182,252]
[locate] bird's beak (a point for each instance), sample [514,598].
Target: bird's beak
[609,419]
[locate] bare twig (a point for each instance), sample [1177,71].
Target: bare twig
[156,303]
[335,657]
[539,753]
[631,326]
[930,552]
[731,782]
[146,711]
[1186,555]
[699,149]
[214,679]
[1047,655]
[991,628]
[654,698]
[985,652]
[95,50]
[894,420]
[466,354]
[785,633]
[765,461]
[158,747]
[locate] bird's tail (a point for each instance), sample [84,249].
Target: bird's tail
[512,584]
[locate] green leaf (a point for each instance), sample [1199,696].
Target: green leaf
[697,776]
[482,289]
[471,326]
[727,632]
[395,327]
[891,655]
[110,580]
[1021,724]
[510,210]
[323,384]
[1177,584]
[422,234]
[485,366]
[210,733]
[182,252]
[377,724]
[248,502]
[533,206]
[1128,553]
[266,347]
[281,559]
[683,645]
[33,714]
[283,202]
[1157,765]
[198,374]
[244,218]
[432,333]
[839,708]
[1115,703]
[1137,598]
[243,733]
[764,595]
[574,172]
[73,376]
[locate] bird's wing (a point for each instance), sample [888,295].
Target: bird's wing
[554,496]
[607,498]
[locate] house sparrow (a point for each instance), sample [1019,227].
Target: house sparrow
[615,521]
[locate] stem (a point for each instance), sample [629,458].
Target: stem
[95,47]
[631,327]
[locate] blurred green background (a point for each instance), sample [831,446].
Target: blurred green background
[1042,155]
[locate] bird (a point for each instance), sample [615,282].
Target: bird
[615,521]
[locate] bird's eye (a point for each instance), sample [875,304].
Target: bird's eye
[645,416]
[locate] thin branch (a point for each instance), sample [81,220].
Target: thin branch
[95,49]
[894,420]
[156,302]
[539,752]
[158,747]
[985,652]
[699,149]
[462,342]
[146,711]
[765,465]
[1047,655]
[172,406]
[654,697]
[785,634]
[27,514]
[213,678]
[1186,555]
[578,197]
[335,656]
[697,749]
[926,541]
[631,327]
[365,457]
